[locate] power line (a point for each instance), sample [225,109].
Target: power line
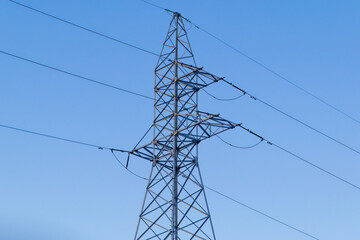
[223,99]
[154,5]
[283,78]
[240,147]
[150,52]
[83,28]
[229,198]
[99,147]
[120,150]
[151,99]
[312,164]
[144,96]
[108,85]
[102,84]
[293,118]
[60,138]
[74,75]
[264,67]
[127,169]
[133,173]
[261,213]
[300,158]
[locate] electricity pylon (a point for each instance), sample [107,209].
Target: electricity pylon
[175,205]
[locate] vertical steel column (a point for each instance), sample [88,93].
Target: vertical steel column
[174,227]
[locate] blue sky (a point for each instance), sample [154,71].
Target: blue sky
[57,190]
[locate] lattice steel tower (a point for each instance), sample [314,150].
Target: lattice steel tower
[175,205]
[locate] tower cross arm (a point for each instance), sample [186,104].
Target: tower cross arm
[191,132]
[196,77]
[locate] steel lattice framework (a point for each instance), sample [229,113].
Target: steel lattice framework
[175,205]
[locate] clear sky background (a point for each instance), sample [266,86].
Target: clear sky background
[54,190]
